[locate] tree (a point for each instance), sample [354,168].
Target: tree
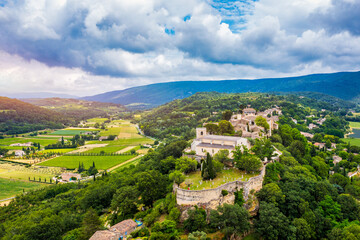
[249,163]
[273,224]
[350,208]
[261,121]
[208,170]
[223,157]
[263,149]
[233,220]
[212,128]
[225,127]
[198,235]
[226,115]
[151,185]
[124,201]
[185,164]
[177,177]
[330,209]
[91,224]
[196,220]
[303,229]
[271,193]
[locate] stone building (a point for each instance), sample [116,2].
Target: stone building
[206,143]
[120,230]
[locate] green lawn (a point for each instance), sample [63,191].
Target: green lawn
[225,176]
[353,141]
[107,149]
[10,188]
[72,162]
[355,124]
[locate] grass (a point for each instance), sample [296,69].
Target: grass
[8,141]
[10,188]
[110,131]
[70,132]
[253,236]
[353,141]
[354,124]
[72,162]
[126,142]
[107,149]
[22,175]
[225,176]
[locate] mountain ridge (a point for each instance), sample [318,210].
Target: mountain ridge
[344,85]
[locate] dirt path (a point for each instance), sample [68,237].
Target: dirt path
[6,201]
[125,149]
[119,165]
[87,147]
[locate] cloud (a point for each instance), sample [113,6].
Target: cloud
[116,44]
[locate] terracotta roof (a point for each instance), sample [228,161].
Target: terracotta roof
[249,110]
[222,138]
[125,226]
[105,235]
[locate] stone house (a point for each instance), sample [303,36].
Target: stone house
[206,143]
[120,230]
[336,159]
[68,176]
[19,153]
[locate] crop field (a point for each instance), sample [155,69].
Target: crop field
[62,150]
[44,141]
[355,124]
[107,149]
[225,176]
[97,120]
[353,141]
[110,131]
[9,188]
[70,132]
[126,142]
[19,172]
[135,162]
[72,162]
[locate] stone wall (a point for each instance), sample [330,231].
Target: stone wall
[193,197]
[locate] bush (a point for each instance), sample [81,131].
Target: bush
[224,192]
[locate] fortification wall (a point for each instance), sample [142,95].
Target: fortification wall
[194,197]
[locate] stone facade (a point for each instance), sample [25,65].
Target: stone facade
[199,197]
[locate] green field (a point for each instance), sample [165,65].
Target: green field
[71,132]
[97,120]
[135,162]
[126,142]
[101,162]
[42,141]
[225,176]
[354,124]
[110,131]
[353,141]
[23,175]
[9,188]
[107,149]
[62,150]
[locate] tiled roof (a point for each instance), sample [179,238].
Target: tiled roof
[208,145]
[222,138]
[105,235]
[124,226]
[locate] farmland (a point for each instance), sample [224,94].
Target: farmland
[101,162]
[9,188]
[72,132]
[355,124]
[106,149]
[353,141]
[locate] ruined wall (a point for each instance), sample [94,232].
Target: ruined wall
[193,197]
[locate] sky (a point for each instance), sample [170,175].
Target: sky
[90,46]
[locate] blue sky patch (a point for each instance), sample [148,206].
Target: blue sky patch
[169,31]
[187,17]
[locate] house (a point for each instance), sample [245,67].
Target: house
[356,173]
[206,143]
[119,231]
[294,120]
[333,145]
[307,135]
[28,144]
[319,145]
[103,138]
[312,126]
[19,153]
[336,159]
[70,176]
[249,111]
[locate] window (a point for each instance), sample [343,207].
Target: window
[201,133]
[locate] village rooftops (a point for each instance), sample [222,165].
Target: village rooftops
[222,138]
[105,235]
[249,110]
[125,227]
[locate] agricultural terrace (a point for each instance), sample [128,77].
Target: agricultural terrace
[9,188]
[225,176]
[101,162]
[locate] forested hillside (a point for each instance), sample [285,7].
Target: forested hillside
[180,117]
[20,117]
[77,109]
[304,194]
[344,85]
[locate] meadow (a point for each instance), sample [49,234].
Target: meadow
[223,177]
[61,151]
[101,162]
[9,188]
[8,141]
[353,141]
